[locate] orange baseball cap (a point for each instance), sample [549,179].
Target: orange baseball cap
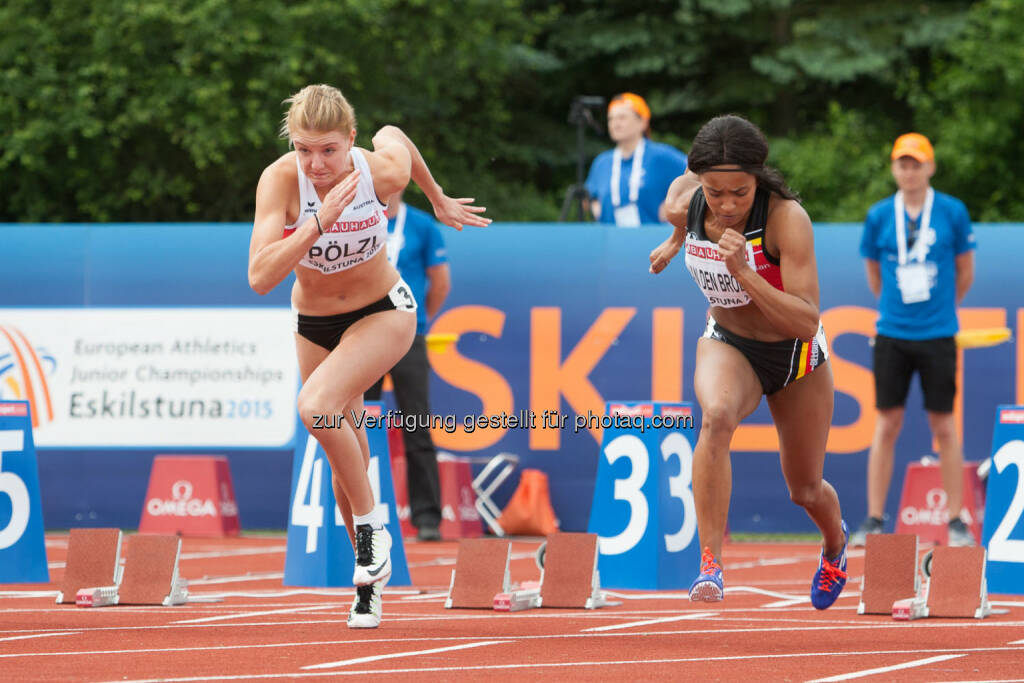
[636,103]
[913,145]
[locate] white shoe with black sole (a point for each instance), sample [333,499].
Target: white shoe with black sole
[373,555]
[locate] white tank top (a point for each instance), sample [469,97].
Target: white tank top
[360,231]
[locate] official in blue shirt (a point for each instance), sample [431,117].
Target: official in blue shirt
[918,247]
[628,184]
[416,247]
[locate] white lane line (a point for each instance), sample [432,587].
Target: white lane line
[819,626]
[29,594]
[265,576]
[1017,642]
[886,669]
[449,560]
[395,655]
[729,590]
[42,635]
[517,638]
[785,603]
[494,667]
[646,596]
[648,622]
[236,552]
[243,615]
[425,596]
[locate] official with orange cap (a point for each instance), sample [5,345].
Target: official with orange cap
[627,184]
[919,253]
[915,146]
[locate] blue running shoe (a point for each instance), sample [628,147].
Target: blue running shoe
[830,578]
[708,586]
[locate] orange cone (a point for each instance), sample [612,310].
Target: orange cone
[529,511]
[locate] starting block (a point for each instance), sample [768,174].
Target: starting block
[481,572]
[570,577]
[97,597]
[909,609]
[527,596]
[94,576]
[94,559]
[890,573]
[957,587]
[151,572]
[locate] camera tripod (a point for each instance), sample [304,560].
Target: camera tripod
[577,196]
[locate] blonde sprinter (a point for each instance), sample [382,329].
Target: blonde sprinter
[320,214]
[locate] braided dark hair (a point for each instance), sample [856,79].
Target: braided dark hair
[731,140]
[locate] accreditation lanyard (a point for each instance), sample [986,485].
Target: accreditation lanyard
[634,175]
[920,249]
[396,240]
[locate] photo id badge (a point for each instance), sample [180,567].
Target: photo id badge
[627,216]
[912,279]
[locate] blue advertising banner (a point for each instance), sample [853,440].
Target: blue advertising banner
[643,510]
[1003,532]
[319,552]
[549,317]
[22,544]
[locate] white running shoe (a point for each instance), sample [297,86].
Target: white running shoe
[373,555]
[366,607]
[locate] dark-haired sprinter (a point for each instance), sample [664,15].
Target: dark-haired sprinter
[750,247]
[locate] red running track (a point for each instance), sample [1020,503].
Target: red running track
[250,627]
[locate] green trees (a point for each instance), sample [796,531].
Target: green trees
[140,110]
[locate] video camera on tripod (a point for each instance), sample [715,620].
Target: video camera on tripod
[581,116]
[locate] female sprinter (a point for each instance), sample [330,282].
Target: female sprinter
[750,247]
[319,213]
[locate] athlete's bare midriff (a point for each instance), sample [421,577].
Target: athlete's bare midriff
[349,290]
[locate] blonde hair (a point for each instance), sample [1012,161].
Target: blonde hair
[320,108]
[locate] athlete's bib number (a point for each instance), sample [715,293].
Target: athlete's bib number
[307,509]
[629,490]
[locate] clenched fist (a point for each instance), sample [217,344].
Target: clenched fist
[732,247]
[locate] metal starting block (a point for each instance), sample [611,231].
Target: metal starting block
[890,573]
[570,577]
[151,571]
[103,596]
[94,559]
[954,580]
[956,586]
[527,597]
[909,609]
[481,572]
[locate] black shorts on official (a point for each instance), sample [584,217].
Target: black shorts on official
[896,361]
[326,330]
[776,364]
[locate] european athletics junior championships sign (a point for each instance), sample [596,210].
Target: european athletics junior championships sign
[152,377]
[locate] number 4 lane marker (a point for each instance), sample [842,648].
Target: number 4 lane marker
[375,658]
[886,669]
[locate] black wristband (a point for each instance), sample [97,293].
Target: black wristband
[318,226]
